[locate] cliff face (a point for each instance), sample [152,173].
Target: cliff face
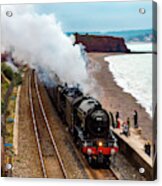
[101,43]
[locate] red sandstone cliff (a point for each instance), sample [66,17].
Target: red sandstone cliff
[94,43]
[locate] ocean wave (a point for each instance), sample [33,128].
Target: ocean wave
[133,72]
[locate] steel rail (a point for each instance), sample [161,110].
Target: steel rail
[49,129]
[90,171]
[36,129]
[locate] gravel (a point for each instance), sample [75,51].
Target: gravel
[73,166]
[124,169]
[26,161]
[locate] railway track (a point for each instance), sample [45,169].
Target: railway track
[50,160]
[103,174]
[91,173]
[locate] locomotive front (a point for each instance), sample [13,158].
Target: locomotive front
[98,141]
[97,123]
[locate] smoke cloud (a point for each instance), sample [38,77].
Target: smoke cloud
[38,39]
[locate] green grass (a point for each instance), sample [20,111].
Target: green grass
[8,76]
[10,116]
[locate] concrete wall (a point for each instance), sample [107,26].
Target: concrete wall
[135,159]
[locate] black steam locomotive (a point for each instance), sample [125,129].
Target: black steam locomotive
[88,122]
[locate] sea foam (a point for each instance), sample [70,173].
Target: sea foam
[133,72]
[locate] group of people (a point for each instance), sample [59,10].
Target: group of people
[126,129]
[126,125]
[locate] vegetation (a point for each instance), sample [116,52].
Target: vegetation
[9,86]
[10,74]
[18,78]
[2,106]
[7,71]
[5,83]
[10,115]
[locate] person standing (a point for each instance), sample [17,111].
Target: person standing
[112,120]
[128,123]
[117,116]
[135,116]
[147,148]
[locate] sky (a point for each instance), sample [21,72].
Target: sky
[100,16]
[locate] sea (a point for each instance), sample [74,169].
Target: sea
[133,72]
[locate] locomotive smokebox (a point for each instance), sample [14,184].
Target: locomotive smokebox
[97,123]
[93,118]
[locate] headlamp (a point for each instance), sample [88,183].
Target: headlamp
[100,143]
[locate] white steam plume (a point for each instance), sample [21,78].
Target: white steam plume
[38,40]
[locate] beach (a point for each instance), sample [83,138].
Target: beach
[112,96]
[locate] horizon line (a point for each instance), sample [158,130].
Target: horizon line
[125,30]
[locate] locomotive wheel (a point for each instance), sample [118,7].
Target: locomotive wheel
[107,163]
[93,164]
[75,137]
[89,160]
[78,143]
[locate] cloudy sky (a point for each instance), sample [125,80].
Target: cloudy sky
[100,16]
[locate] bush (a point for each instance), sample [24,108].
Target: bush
[10,120]
[7,71]
[2,106]
[18,78]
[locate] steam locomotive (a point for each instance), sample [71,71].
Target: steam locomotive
[87,121]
